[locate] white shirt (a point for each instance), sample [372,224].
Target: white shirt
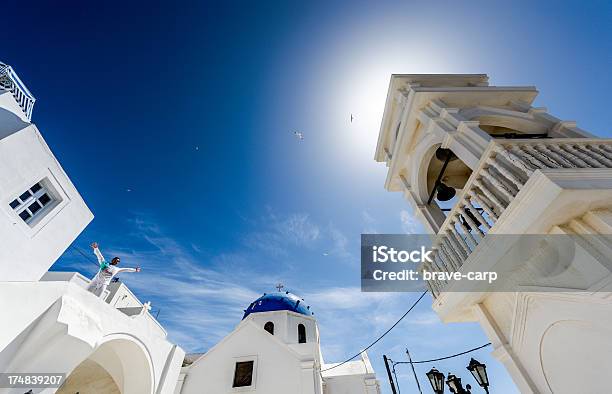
[104,276]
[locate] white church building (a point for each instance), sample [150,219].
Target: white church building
[275,349]
[52,324]
[480,164]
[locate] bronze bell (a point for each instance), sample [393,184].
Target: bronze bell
[444,192]
[444,154]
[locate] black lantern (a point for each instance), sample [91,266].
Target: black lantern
[479,371]
[444,192]
[436,379]
[454,384]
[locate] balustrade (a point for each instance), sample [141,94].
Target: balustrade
[503,171]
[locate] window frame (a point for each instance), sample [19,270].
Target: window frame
[35,197]
[55,190]
[235,362]
[269,324]
[250,365]
[302,326]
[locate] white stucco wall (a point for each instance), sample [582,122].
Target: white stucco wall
[353,377]
[282,365]
[120,296]
[55,326]
[286,325]
[26,159]
[278,369]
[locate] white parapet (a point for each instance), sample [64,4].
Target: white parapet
[59,327]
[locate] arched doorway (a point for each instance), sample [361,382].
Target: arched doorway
[119,365]
[89,377]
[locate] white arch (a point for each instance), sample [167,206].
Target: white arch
[419,162]
[515,120]
[126,359]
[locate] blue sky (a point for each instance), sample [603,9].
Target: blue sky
[192,107]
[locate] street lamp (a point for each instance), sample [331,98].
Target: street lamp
[479,371]
[436,379]
[454,384]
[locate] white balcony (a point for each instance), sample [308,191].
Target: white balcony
[506,174]
[9,80]
[55,325]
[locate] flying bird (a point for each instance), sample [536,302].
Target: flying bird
[352,117]
[325,254]
[128,190]
[298,135]
[197,148]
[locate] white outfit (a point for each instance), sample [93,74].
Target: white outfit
[105,275]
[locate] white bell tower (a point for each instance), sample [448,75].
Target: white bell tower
[476,161]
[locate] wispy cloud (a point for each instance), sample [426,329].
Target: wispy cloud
[201,297]
[369,223]
[275,234]
[410,225]
[338,298]
[339,244]
[299,229]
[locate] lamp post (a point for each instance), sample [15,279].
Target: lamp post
[454,384]
[436,379]
[479,372]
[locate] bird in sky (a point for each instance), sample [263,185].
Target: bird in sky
[352,117]
[298,135]
[197,148]
[325,254]
[128,190]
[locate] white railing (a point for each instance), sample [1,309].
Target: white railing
[504,169]
[11,82]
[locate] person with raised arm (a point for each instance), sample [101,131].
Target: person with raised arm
[106,272]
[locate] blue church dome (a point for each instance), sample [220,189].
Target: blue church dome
[278,301]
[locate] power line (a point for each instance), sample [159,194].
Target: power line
[382,336]
[444,358]
[88,257]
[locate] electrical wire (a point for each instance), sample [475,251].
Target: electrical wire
[382,336]
[88,257]
[444,358]
[397,386]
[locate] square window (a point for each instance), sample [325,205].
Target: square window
[243,374]
[41,194]
[44,199]
[25,196]
[35,188]
[25,215]
[34,207]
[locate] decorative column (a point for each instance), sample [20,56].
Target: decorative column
[503,351]
[430,215]
[463,137]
